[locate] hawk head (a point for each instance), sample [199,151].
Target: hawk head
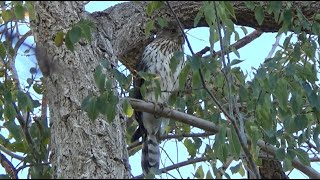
[172,32]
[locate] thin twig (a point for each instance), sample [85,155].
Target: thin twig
[178,165]
[274,46]
[172,162]
[29,165]
[8,152]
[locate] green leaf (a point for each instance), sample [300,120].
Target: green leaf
[120,77]
[229,7]
[86,102]
[9,111]
[296,102]
[195,62]
[92,110]
[38,88]
[249,4]
[303,156]
[33,70]
[113,101]
[243,94]
[209,13]
[14,130]
[242,171]
[7,96]
[36,103]
[198,17]
[127,108]
[280,154]
[235,51]
[223,152]
[86,32]
[196,80]
[175,60]
[149,27]
[301,122]
[220,137]
[58,40]
[190,147]
[19,11]
[235,169]
[263,116]
[281,93]
[275,6]
[197,142]
[183,76]
[245,31]
[99,78]
[314,99]
[68,42]
[259,14]
[162,22]
[199,173]
[75,34]
[235,146]
[102,103]
[296,52]
[316,132]
[287,16]
[6,15]
[24,102]
[30,9]
[152,6]
[287,164]
[236,61]
[3,51]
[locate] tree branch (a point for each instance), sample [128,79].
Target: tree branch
[149,107]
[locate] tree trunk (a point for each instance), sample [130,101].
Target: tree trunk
[81,148]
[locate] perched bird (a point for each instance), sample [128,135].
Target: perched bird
[156,60]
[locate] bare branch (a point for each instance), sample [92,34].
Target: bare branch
[143,106]
[240,43]
[274,46]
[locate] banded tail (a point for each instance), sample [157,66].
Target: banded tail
[150,155]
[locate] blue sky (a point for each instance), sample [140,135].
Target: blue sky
[252,54]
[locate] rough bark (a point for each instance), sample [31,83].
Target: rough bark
[82,148]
